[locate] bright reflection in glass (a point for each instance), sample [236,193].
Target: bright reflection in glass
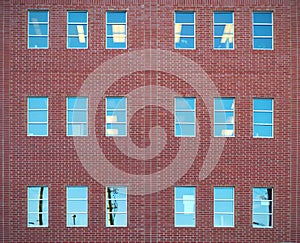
[223,30]
[262,207]
[184,30]
[185,207]
[77,29]
[116,120]
[116,30]
[37,206]
[224,117]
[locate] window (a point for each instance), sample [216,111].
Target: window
[37,116]
[223,30]
[116,33]
[116,206]
[116,116]
[223,207]
[77,29]
[262,207]
[263,118]
[38,30]
[224,117]
[185,117]
[77,116]
[77,206]
[37,206]
[185,207]
[263,30]
[184,30]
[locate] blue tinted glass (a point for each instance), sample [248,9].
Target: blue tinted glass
[223,17]
[263,117]
[185,43]
[223,192]
[38,116]
[37,192]
[77,206]
[115,116]
[184,17]
[219,30]
[117,42]
[223,130]
[115,103]
[119,219]
[37,103]
[185,130]
[116,29]
[224,206]
[75,42]
[116,206]
[185,103]
[184,220]
[77,17]
[261,220]
[223,43]
[115,17]
[262,193]
[38,41]
[182,191]
[38,29]
[38,206]
[186,205]
[73,29]
[262,131]
[263,104]
[224,103]
[76,192]
[262,17]
[77,219]
[262,30]
[115,129]
[187,30]
[77,116]
[223,220]
[38,16]
[262,207]
[37,129]
[185,116]
[77,129]
[224,117]
[262,43]
[37,220]
[77,102]
[117,192]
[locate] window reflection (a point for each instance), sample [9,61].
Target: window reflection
[38,206]
[185,207]
[263,30]
[262,207]
[116,30]
[116,120]
[223,30]
[224,117]
[184,30]
[263,118]
[224,207]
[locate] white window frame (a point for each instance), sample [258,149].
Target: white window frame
[188,36]
[221,24]
[77,199]
[86,110]
[46,200]
[226,123]
[184,123]
[264,124]
[78,23]
[262,201]
[106,120]
[261,37]
[121,199]
[29,122]
[120,23]
[228,213]
[29,23]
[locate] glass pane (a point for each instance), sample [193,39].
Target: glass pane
[223,192]
[77,116]
[115,116]
[184,17]
[37,129]
[224,117]
[77,129]
[224,206]
[224,103]
[77,219]
[262,131]
[224,42]
[37,220]
[116,206]
[118,219]
[185,206]
[263,117]
[185,116]
[115,29]
[223,130]
[262,220]
[262,193]
[185,43]
[77,206]
[77,42]
[77,103]
[116,192]
[38,41]
[116,42]
[263,43]
[115,17]
[219,30]
[38,103]
[115,103]
[187,30]
[262,30]
[75,29]
[76,17]
[185,220]
[40,206]
[38,192]
[185,130]
[262,17]
[262,207]
[38,116]
[38,16]
[223,220]
[180,192]
[38,29]
[263,104]
[223,17]
[115,129]
[76,192]
[185,103]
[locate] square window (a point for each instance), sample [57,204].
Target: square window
[223,207]
[77,206]
[185,117]
[37,116]
[77,116]
[116,116]
[185,215]
[262,30]
[262,118]
[116,30]
[77,29]
[38,29]
[262,207]
[184,30]
[116,206]
[223,30]
[37,206]
[224,117]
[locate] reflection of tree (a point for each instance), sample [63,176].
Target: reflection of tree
[40,206]
[112,204]
[266,195]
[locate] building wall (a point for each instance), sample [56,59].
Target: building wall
[245,162]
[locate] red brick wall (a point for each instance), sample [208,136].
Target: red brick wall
[245,163]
